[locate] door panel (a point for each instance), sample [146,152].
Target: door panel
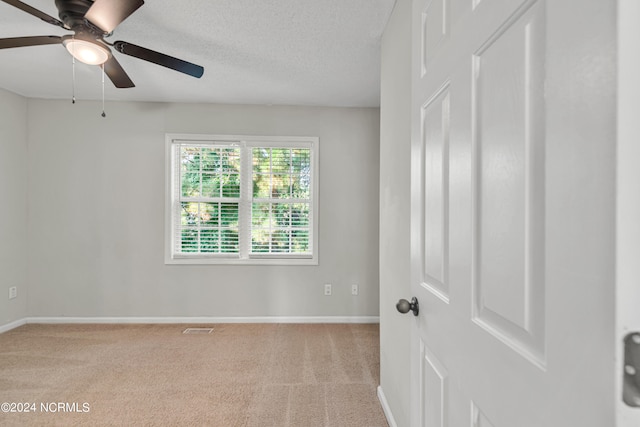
[435,30]
[435,118]
[478,418]
[508,146]
[435,390]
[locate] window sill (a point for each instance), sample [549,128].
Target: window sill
[254,260]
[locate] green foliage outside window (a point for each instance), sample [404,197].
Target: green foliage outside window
[281,193]
[210,199]
[210,176]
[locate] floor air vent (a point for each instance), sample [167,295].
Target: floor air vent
[197,331]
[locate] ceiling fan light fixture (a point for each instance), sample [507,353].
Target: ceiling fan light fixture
[86,51]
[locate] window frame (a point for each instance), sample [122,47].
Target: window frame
[246,144]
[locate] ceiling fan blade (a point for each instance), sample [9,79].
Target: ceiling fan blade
[108,14]
[35,12]
[29,41]
[159,58]
[116,73]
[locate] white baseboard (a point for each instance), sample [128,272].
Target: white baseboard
[12,325]
[193,320]
[385,408]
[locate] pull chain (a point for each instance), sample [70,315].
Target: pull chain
[103,113]
[73,79]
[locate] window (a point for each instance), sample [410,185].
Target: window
[241,200]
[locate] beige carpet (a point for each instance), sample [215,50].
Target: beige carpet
[154,375]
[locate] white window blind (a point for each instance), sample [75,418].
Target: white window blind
[241,199]
[280,219]
[208,187]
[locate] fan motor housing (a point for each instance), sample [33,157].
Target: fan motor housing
[71,12]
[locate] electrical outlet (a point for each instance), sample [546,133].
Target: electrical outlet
[327,289]
[354,289]
[13,292]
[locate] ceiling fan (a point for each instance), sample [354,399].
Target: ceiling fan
[92,21]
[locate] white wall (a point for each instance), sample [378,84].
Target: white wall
[395,144]
[13,208]
[97,214]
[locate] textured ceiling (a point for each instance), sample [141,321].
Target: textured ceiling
[291,52]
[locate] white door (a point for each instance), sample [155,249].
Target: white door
[512,216]
[628,209]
